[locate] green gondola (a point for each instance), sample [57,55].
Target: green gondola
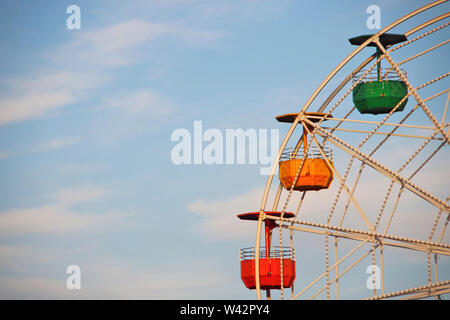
[379,94]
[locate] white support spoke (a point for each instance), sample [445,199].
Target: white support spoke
[427,294]
[382,169]
[445,109]
[356,236]
[436,286]
[345,271]
[374,235]
[375,122]
[334,266]
[423,52]
[384,133]
[331,167]
[413,91]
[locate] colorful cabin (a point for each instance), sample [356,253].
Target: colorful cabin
[381,90]
[269,258]
[269,268]
[315,173]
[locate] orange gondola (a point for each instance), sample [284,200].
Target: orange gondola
[316,173]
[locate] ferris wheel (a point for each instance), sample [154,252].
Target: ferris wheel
[363,176]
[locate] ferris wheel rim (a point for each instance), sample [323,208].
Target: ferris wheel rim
[313,97]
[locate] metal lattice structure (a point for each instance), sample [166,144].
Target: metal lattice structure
[365,144]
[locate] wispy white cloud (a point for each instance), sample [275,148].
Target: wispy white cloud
[140,101]
[59,217]
[56,144]
[79,75]
[168,282]
[219,216]
[207,11]
[4,154]
[130,112]
[19,287]
[34,271]
[81,168]
[111,279]
[119,44]
[31,105]
[62,80]
[44,220]
[36,95]
[16,258]
[70,197]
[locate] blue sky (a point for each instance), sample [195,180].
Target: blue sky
[85,123]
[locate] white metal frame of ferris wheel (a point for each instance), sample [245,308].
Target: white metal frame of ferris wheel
[377,239]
